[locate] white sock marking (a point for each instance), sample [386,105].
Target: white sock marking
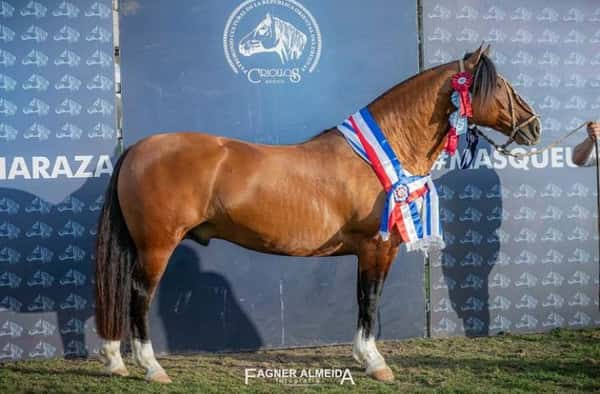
[366,353]
[111,352]
[143,354]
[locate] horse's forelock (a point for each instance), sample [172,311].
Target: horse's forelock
[484,82]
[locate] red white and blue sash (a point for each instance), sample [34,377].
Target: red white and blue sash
[412,205]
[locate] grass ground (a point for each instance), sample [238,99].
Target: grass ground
[560,361]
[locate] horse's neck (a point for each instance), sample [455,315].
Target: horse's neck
[414,117]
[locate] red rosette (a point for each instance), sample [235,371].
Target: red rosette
[461,82]
[451,142]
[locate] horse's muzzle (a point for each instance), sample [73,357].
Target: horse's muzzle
[249,47]
[530,134]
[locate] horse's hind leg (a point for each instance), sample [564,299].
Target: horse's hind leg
[151,266]
[374,261]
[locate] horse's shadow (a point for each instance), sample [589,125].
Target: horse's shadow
[198,309]
[46,271]
[472,214]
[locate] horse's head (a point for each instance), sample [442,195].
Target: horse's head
[261,39]
[497,105]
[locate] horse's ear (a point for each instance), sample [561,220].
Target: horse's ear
[473,60]
[487,50]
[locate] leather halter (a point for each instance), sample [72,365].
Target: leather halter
[512,97]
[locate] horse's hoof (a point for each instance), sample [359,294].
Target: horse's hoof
[383,375]
[159,377]
[119,372]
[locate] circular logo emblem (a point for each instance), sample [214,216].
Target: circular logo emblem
[401,193]
[272,41]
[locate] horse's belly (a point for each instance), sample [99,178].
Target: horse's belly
[296,231]
[291,220]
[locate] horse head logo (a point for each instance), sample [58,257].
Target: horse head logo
[6,10]
[11,351]
[100,106]
[36,82]
[500,303]
[9,230]
[41,303]
[445,325]
[42,327]
[99,58]
[69,130]
[7,58]
[68,58]
[472,304]
[527,302]
[36,107]
[500,323]
[102,131]
[73,326]
[72,229]
[41,278]
[474,324]
[527,321]
[99,34]
[98,9]
[496,35]
[7,108]
[579,256]
[73,277]
[11,329]
[75,348]
[43,349]
[71,204]
[9,255]
[274,35]
[74,301]
[66,9]
[40,254]
[7,83]
[72,253]
[69,107]
[552,257]
[10,304]
[8,279]
[9,206]
[68,34]
[39,229]
[553,301]
[579,299]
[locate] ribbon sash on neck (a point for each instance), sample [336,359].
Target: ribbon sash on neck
[412,205]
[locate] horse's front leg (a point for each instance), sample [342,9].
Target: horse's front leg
[374,260]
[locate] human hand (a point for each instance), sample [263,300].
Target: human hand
[593,130]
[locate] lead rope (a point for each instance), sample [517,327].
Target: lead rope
[502,150]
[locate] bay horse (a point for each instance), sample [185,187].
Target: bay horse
[316,198]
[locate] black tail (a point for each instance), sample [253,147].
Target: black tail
[115,261]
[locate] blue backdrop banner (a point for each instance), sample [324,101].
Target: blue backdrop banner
[522,239]
[57,137]
[209,66]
